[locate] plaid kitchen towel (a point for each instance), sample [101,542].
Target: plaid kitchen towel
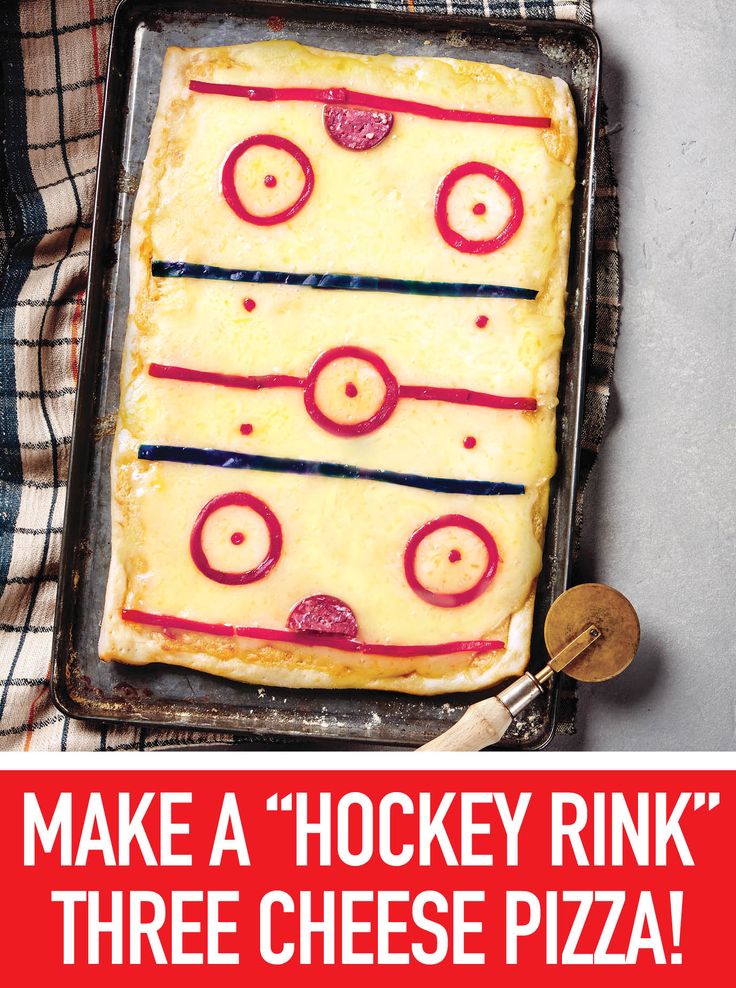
[53,58]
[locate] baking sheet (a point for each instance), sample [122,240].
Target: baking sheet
[82,685]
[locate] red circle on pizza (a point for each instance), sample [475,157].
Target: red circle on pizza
[441,208]
[358,427]
[461,596]
[275,539]
[230,191]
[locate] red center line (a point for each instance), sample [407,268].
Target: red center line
[349,97]
[462,396]
[339,642]
[251,383]
[455,396]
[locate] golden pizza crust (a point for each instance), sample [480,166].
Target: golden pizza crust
[535,330]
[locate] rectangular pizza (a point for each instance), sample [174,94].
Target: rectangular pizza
[339,383]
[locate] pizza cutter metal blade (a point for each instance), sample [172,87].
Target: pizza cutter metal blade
[591,631]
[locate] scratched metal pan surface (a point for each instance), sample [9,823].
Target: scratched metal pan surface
[85,687]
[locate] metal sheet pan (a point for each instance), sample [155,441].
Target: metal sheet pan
[82,685]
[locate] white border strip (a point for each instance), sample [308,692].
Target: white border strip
[357,761]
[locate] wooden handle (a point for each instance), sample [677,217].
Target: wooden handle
[482,724]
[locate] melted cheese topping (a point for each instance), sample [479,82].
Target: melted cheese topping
[370,213]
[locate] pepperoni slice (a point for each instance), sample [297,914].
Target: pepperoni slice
[324,615]
[356,129]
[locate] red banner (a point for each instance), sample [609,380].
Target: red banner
[309,877]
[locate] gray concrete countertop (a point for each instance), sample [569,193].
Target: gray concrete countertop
[660,515]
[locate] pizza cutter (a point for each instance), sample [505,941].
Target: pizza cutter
[591,631]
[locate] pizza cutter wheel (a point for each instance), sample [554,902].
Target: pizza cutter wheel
[591,631]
